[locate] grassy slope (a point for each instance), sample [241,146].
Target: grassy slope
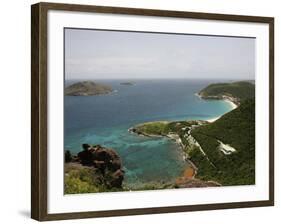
[242,90]
[153,128]
[164,127]
[82,179]
[236,128]
[79,179]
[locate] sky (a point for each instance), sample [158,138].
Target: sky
[97,54]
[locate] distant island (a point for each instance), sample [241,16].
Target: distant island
[127,83]
[222,151]
[87,88]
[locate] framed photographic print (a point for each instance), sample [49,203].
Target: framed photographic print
[141,111]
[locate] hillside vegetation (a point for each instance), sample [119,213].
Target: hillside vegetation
[163,128]
[236,128]
[241,90]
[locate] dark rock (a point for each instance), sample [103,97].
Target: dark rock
[86,158]
[86,146]
[106,161]
[75,159]
[109,157]
[117,178]
[67,156]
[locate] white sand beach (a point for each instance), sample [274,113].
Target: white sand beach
[213,119]
[233,106]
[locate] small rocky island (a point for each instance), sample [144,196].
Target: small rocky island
[94,169]
[87,88]
[127,83]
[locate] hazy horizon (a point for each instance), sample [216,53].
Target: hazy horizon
[97,54]
[167,78]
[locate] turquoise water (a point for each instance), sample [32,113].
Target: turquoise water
[105,120]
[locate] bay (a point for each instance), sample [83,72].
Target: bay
[105,120]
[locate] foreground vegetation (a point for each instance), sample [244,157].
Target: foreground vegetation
[79,179]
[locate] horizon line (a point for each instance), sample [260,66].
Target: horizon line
[155,79]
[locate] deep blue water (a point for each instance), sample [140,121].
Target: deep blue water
[105,119]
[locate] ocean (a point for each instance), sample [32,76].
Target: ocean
[105,120]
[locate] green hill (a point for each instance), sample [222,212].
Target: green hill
[236,129]
[239,90]
[87,88]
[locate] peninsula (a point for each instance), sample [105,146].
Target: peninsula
[233,91]
[87,88]
[222,151]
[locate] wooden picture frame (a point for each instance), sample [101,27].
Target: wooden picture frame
[39,109]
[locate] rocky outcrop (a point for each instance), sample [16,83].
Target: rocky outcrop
[106,164]
[99,157]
